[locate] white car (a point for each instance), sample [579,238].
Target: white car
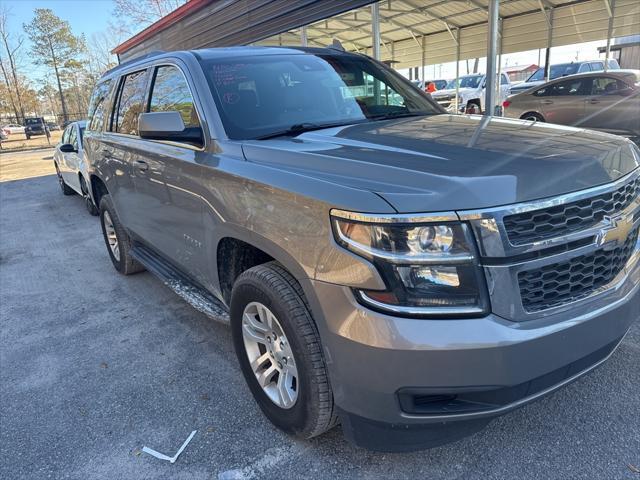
[71,164]
[471,93]
[13,128]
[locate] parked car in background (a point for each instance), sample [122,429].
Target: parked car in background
[13,128]
[35,126]
[421,84]
[563,70]
[53,126]
[471,93]
[71,165]
[407,272]
[601,101]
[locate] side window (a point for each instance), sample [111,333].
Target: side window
[597,66]
[73,137]
[98,105]
[65,135]
[584,68]
[170,93]
[130,104]
[504,80]
[563,89]
[607,85]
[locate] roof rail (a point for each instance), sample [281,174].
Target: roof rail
[133,60]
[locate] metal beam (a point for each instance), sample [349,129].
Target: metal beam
[492,46]
[375,29]
[303,36]
[612,10]
[457,102]
[547,56]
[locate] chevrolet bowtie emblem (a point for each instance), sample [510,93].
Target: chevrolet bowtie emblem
[618,231]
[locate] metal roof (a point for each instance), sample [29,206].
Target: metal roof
[416,32]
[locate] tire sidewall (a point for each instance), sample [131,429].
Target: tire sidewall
[294,419]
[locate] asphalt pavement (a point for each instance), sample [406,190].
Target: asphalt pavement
[94,366]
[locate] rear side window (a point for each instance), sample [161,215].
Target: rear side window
[607,85]
[563,89]
[131,103]
[98,105]
[170,93]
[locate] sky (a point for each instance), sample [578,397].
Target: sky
[84,16]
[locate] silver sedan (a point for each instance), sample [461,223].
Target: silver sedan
[608,101]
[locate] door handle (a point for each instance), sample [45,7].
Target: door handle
[141,165]
[547,102]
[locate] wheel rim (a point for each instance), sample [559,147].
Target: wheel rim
[532,118]
[270,355]
[112,237]
[60,180]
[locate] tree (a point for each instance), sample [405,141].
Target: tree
[10,73]
[54,45]
[138,14]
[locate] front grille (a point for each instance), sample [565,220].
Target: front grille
[560,283]
[536,225]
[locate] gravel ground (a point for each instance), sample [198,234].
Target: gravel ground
[94,366]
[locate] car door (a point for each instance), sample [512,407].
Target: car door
[72,159]
[613,105]
[167,188]
[123,151]
[562,102]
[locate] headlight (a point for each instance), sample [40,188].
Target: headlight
[429,268]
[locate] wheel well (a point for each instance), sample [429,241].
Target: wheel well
[98,188]
[475,101]
[234,257]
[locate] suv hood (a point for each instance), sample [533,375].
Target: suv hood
[453,162]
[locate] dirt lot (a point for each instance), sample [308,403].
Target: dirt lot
[18,141]
[94,366]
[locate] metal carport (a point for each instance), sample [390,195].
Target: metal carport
[408,32]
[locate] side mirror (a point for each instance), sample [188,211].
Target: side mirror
[67,148]
[167,126]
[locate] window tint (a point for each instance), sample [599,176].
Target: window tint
[131,103]
[171,93]
[564,89]
[607,85]
[98,105]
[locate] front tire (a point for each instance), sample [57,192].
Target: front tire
[279,350]
[117,239]
[88,203]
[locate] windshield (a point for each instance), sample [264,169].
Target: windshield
[471,81]
[32,121]
[258,96]
[556,71]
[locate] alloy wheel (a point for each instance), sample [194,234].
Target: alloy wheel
[112,237]
[270,355]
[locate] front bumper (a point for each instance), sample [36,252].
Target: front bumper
[378,364]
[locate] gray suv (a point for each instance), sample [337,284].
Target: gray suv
[405,272]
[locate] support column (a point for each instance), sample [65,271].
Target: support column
[424,55]
[612,11]
[457,102]
[375,29]
[492,47]
[303,36]
[547,54]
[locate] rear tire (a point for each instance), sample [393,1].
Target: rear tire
[532,117]
[272,289]
[117,239]
[88,202]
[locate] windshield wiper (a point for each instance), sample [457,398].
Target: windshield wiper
[385,116]
[299,128]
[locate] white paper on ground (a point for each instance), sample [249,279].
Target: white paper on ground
[162,456]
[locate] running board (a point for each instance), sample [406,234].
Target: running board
[194,295]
